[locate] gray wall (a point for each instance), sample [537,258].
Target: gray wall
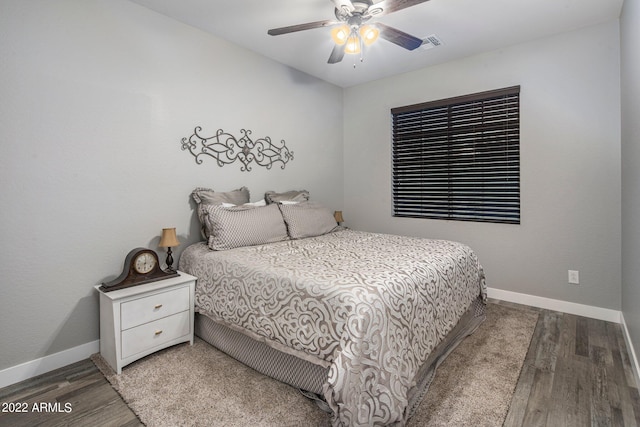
[630,83]
[570,163]
[94,99]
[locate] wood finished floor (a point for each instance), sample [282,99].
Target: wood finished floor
[93,401]
[577,372]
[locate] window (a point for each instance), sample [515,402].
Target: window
[459,158]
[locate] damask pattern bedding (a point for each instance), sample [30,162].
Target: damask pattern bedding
[369,306]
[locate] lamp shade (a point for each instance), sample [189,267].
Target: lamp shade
[369,34]
[340,34]
[353,44]
[168,239]
[338,216]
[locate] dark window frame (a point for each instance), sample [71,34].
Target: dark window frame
[458,158]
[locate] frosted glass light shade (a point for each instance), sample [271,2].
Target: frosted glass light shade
[353,44]
[340,34]
[369,34]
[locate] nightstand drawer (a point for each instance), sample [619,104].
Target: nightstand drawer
[153,307]
[150,335]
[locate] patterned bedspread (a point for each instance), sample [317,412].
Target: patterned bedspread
[369,306]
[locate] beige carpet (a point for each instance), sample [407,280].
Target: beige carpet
[200,386]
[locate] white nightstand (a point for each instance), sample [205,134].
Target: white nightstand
[143,319]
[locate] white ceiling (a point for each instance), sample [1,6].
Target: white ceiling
[466,27]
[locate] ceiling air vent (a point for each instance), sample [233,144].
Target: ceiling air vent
[431,41]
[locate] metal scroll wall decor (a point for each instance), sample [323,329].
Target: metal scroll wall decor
[226,149]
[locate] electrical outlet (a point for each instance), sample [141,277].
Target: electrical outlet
[574,277]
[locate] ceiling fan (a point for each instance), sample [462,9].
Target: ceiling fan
[352,29]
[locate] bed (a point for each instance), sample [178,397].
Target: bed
[357,320]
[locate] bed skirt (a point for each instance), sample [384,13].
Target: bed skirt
[309,377]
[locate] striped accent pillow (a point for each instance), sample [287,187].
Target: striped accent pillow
[307,219]
[234,227]
[206,196]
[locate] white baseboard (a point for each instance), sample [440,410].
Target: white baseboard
[27,370]
[630,349]
[556,305]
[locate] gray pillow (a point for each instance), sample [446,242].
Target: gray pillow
[233,227]
[289,196]
[209,197]
[206,196]
[307,219]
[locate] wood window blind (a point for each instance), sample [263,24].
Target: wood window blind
[458,158]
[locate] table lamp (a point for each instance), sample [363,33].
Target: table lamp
[169,240]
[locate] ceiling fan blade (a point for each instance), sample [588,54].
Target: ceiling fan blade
[299,27]
[340,4]
[398,37]
[336,54]
[390,6]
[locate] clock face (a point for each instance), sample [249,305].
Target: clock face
[144,263]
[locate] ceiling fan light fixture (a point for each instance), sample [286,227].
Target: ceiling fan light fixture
[340,34]
[369,34]
[351,35]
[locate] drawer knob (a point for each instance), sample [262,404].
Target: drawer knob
[158,332]
[157,306]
